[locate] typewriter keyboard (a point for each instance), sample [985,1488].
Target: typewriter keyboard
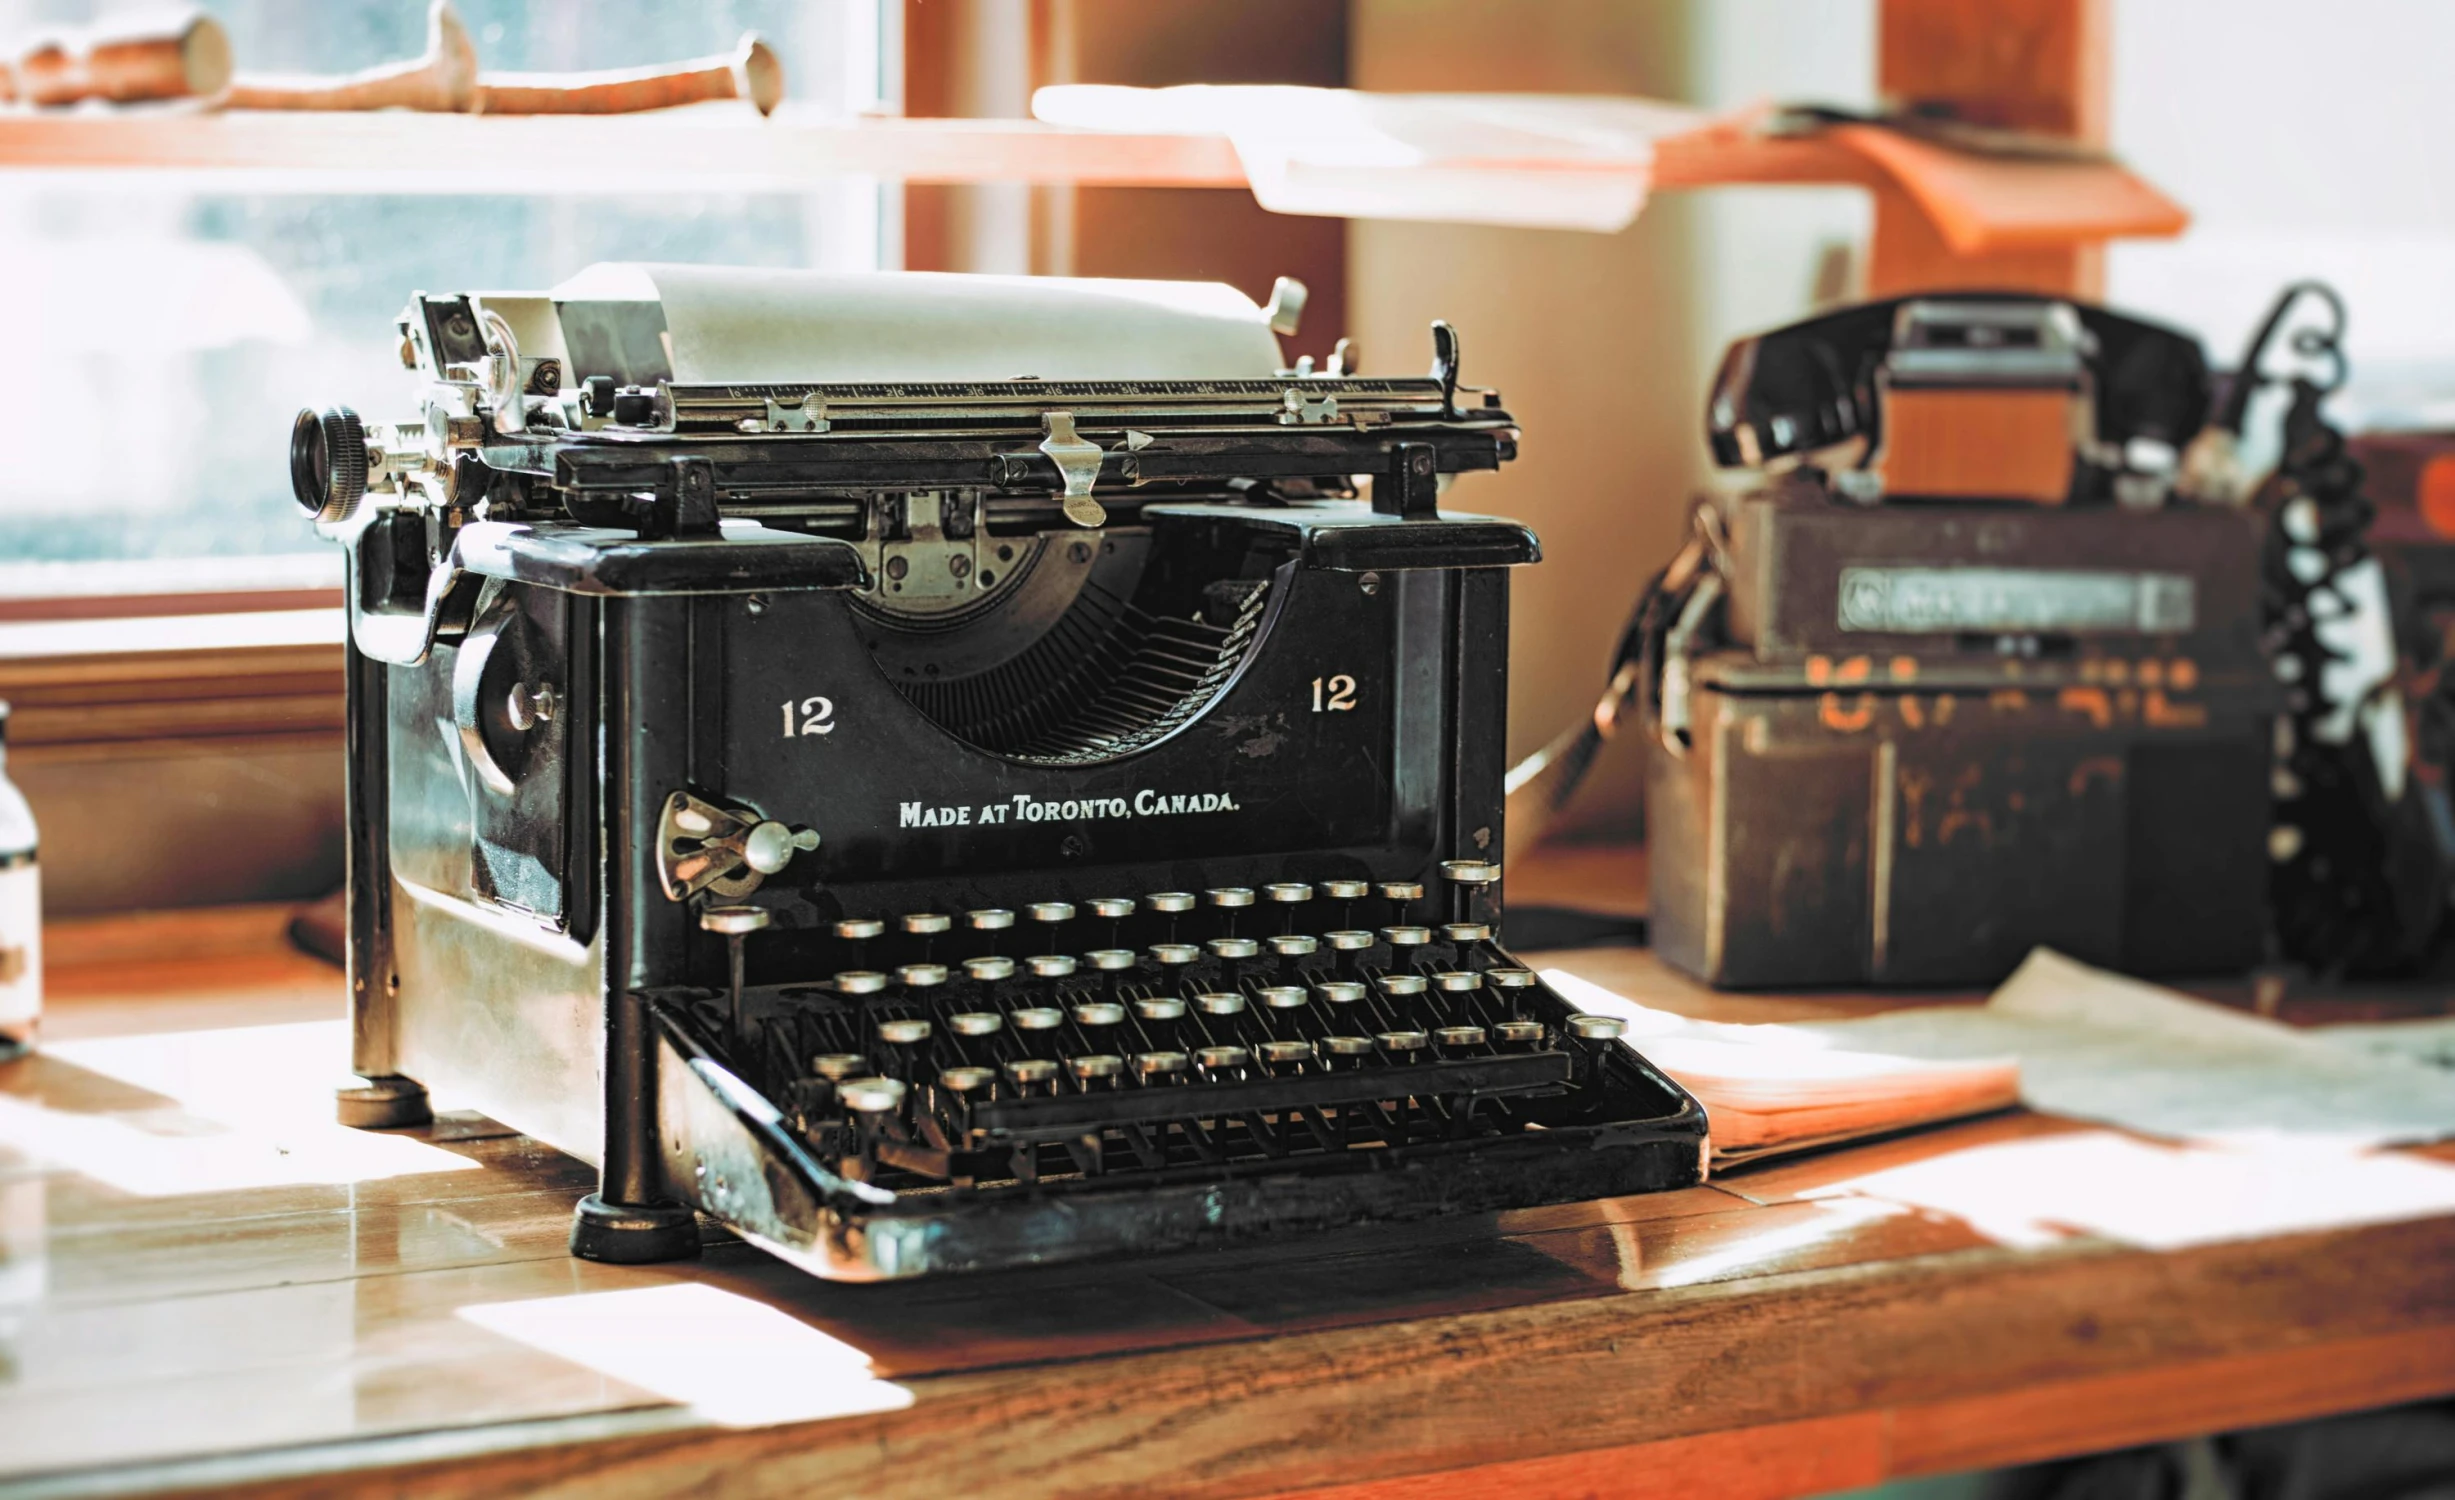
[1168,1032]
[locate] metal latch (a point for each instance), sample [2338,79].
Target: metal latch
[1078,463]
[807,415]
[703,846]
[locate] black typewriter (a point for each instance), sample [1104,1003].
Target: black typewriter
[939,773]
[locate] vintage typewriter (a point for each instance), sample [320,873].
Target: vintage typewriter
[1964,668]
[942,772]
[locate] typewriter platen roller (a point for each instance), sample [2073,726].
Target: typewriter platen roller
[940,773]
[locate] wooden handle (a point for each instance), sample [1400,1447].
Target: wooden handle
[750,72]
[185,61]
[443,80]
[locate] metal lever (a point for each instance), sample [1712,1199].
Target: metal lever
[1078,463]
[725,850]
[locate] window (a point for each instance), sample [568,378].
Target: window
[163,332]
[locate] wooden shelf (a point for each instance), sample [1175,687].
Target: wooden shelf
[716,148]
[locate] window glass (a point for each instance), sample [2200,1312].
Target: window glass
[166,332]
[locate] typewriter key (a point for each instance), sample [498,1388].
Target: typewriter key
[1596,1028]
[859,982]
[1174,955]
[1512,982]
[1288,892]
[1031,1075]
[1401,896]
[1222,1062]
[973,1023]
[1230,897]
[905,1031]
[1590,1037]
[1406,937]
[1099,1014]
[1400,986]
[1295,945]
[1232,948]
[1458,980]
[988,970]
[1037,1018]
[1050,965]
[1469,871]
[1162,1016]
[926,923]
[1282,1057]
[1464,933]
[1346,890]
[871,1097]
[835,1067]
[1220,1003]
[859,929]
[1096,1069]
[1403,1045]
[1108,960]
[1346,1051]
[1520,1036]
[1348,940]
[1050,911]
[1164,1066]
[966,1080]
[1115,908]
[989,919]
[1286,997]
[1172,902]
[1341,991]
[921,976]
[1453,1040]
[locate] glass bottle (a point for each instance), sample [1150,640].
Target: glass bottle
[21,914]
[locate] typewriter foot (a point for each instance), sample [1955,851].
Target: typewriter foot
[386,1103]
[633,1234]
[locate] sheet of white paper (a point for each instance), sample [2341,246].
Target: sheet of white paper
[2429,1041]
[2096,1046]
[1546,161]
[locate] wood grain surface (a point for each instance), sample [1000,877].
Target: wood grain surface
[204,1286]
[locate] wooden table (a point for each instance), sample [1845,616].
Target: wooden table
[207,1287]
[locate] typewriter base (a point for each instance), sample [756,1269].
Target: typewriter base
[625,1234]
[383,1103]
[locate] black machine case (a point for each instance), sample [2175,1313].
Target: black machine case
[1906,740]
[1145,902]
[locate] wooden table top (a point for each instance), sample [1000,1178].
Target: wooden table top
[206,1285]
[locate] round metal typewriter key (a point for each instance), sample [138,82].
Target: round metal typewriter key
[1295,945]
[1347,940]
[1344,1053]
[1174,955]
[1402,890]
[1406,937]
[1509,978]
[1286,1054]
[1037,1018]
[859,929]
[926,923]
[1341,991]
[1217,1060]
[1111,960]
[1050,911]
[988,970]
[835,1067]
[1031,1074]
[1288,892]
[1096,1067]
[734,921]
[1520,1034]
[1115,908]
[1233,947]
[1403,1045]
[921,976]
[1596,1028]
[1458,981]
[966,1080]
[860,982]
[871,1096]
[1229,897]
[1286,997]
[907,1031]
[1463,933]
[973,1023]
[1458,1038]
[1171,902]
[1050,965]
[1346,890]
[1401,984]
[1469,871]
[1098,1013]
[1160,1008]
[989,919]
[1158,1067]
[1220,1003]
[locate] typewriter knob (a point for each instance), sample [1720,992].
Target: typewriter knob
[770,846]
[328,462]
